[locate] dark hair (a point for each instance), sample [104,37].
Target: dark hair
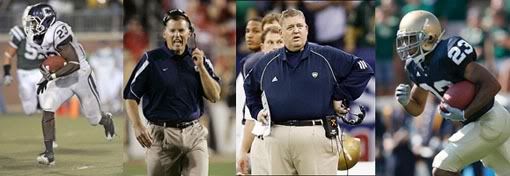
[177,14]
[270,17]
[257,19]
[273,29]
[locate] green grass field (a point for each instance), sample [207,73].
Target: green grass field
[82,148]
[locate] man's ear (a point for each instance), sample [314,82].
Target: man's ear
[164,33]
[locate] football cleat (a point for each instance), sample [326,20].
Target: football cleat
[109,128]
[46,158]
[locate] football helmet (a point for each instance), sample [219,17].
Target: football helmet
[351,152]
[418,34]
[38,19]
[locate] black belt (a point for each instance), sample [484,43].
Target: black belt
[300,123]
[180,125]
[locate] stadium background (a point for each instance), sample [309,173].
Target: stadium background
[407,145]
[348,25]
[82,148]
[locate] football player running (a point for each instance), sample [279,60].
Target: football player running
[28,61]
[432,65]
[52,37]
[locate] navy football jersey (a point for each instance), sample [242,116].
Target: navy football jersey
[443,66]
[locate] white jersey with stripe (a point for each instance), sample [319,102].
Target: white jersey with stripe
[58,34]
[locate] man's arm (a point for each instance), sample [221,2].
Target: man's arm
[211,86]
[68,52]
[137,85]
[142,134]
[352,75]
[253,94]
[417,101]
[16,38]
[486,85]
[246,143]
[8,55]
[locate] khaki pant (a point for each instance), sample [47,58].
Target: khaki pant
[486,139]
[178,151]
[301,150]
[258,157]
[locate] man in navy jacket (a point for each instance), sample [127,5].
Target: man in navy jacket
[303,83]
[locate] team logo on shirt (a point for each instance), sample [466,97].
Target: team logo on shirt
[274,79]
[315,74]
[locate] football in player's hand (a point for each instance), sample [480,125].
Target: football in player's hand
[54,63]
[460,94]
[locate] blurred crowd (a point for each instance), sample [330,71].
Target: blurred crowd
[214,25]
[406,145]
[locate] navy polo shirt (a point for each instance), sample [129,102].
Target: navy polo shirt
[304,89]
[169,86]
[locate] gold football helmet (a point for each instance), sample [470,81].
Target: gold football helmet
[418,34]
[350,154]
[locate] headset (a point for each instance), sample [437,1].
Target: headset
[358,120]
[178,12]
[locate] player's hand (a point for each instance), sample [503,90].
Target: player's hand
[143,136]
[7,80]
[340,108]
[46,73]
[402,94]
[451,113]
[41,86]
[262,116]
[243,163]
[198,57]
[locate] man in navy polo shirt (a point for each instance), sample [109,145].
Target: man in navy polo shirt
[303,83]
[171,82]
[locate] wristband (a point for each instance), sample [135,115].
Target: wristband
[7,69]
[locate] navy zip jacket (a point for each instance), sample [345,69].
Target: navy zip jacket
[305,91]
[169,86]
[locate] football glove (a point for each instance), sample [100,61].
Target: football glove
[402,94]
[7,80]
[41,86]
[46,74]
[451,113]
